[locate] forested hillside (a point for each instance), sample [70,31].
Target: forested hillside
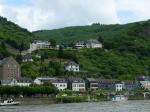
[14,36]
[125,52]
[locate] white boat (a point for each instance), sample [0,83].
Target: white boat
[119,98]
[8,102]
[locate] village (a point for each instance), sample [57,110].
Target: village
[11,73]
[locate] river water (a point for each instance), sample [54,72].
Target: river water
[126,106]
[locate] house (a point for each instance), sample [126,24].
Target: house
[39,44]
[72,66]
[10,82]
[118,87]
[60,83]
[93,43]
[144,82]
[9,69]
[27,58]
[91,83]
[42,80]
[23,81]
[106,84]
[17,82]
[76,84]
[129,85]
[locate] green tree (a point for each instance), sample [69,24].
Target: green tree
[53,42]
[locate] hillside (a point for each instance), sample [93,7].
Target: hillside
[126,51]
[13,35]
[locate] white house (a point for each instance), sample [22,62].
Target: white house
[24,81]
[144,81]
[91,43]
[39,44]
[60,83]
[27,58]
[72,66]
[118,86]
[145,84]
[76,84]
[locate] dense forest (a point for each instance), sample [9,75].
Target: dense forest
[125,52]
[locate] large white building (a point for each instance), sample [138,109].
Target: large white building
[39,44]
[72,66]
[60,83]
[91,43]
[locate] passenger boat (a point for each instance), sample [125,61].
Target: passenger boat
[8,102]
[119,98]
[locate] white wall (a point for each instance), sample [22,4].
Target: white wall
[118,87]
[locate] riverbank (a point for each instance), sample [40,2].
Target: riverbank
[71,99]
[36,101]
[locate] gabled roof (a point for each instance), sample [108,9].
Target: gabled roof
[40,41]
[52,79]
[128,82]
[9,81]
[75,80]
[5,60]
[71,63]
[24,80]
[143,78]
[27,56]
[92,41]
[92,80]
[106,81]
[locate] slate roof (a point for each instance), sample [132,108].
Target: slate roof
[75,80]
[71,63]
[5,60]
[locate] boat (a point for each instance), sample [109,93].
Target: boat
[119,98]
[8,102]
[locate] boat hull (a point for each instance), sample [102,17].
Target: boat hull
[9,104]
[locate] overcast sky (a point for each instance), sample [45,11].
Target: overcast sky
[51,14]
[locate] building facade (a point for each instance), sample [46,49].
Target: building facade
[39,44]
[91,43]
[118,87]
[27,58]
[76,84]
[59,83]
[91,84]
[9,69]
[106,84]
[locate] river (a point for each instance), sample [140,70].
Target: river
[127,106]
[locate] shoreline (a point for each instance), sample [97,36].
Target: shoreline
[49,101]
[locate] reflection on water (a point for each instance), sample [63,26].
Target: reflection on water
[127,106]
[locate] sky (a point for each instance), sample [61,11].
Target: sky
[52,14]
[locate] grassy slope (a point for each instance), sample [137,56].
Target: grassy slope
[13,32]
